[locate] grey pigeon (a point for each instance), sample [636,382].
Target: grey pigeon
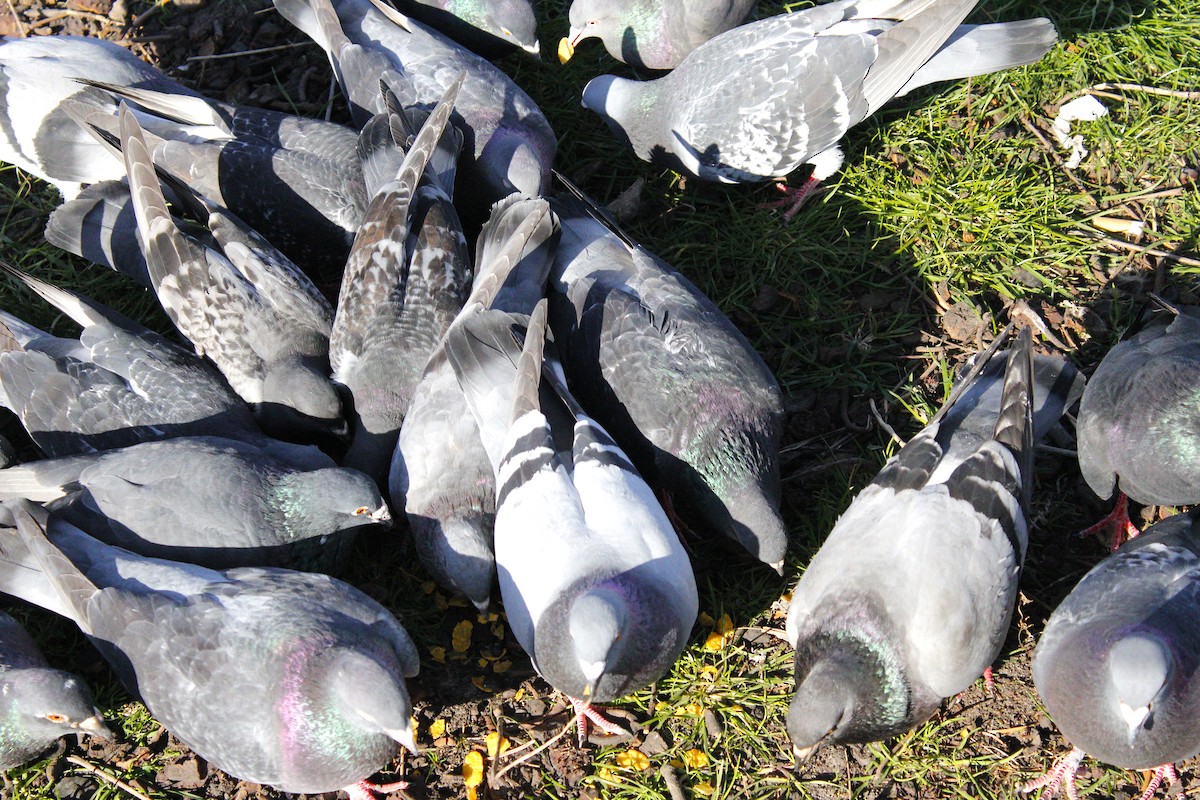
[1117,663]
[290,679]
[294,178]
[758,101]
[118,384]
[508,142]
[671,377]
[491,28]
[654,35]
[206,500]
[596,586]
[1138,430]
[909,598]
[246,307]
[403,285]
[440,472]
[37,704]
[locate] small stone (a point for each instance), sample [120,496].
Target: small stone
[654,744]
[962,321]
[183,774]
[76,787]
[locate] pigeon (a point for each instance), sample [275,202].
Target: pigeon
[215,502]
[655,35]
[758,101]
[909,598]
[1137,429]
[671,377]
[1117,663]
[596,585]
[118,384]
[247,307]
[509,145]
[292,177]
[403,285]
[490,28]
[440,472]
[38,704]
[290,679]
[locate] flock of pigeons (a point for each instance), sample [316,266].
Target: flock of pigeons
[523,406]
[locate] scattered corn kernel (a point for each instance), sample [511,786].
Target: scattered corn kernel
[496,744]
[437,728]
[634,759]
[704,789]
[472,772]
[695,759]
[438,654]
[460,640]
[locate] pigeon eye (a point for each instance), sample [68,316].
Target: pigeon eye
[593,21]
[506,31]
[56,718]
[358,512]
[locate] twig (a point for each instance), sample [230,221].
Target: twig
[883,424]
[70,12]
[544,745]
[1020,309]
[1137,87]
[1135,247]
[17,19]
[148,13]
[254,52]
[99,773]
[1053,151]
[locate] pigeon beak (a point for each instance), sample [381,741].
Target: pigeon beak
[405,737]
[94,725]
[778,567]
[534,49]
[1134,718]
[565,50]
[382,516]
[804,753]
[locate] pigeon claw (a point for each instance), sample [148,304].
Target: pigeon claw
[794,198]
[1061,774]
[586,713]
[1156,776]
[1117,524]
[365,790]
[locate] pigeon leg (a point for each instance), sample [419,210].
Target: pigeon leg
[1117,523]
[586,713]
[989,682]
[793,198]
[1061,774]
[365,790]
[1165,772]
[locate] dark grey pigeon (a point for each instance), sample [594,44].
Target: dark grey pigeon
[654,35]
[403,285]
[509,145]
[596,586]
[440,472]
[758,101]
[246,307]
[1138,429]
[671,377]
[1117,664]
[909,598]
[491,28]
[37,704]
[117,385]
[205,500]
[290,679]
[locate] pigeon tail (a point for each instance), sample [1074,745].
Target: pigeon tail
[35,570]
[980,49]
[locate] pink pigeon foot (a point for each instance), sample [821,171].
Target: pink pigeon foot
[1165,772]
[1116,523]
[989,681]
[365,790]
[795,198]
[1061,774]
[587,714]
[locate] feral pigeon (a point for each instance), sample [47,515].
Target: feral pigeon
[440,472]
[403,285]
[1137,428]
[508,142]
[118,384]
[758,101]
[37,704]
[908,600]
[246,307]
[655,35]
[596,585]
[491,28]
[205,500]
[291,679]
[1117,664]
[671,377]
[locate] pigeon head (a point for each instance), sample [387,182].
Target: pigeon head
[458,551]
[596,622]
[1140,668]
[514,161]
[619,101]
[328,500]
[511,20]
[594,19]
[370,696]
[48,703]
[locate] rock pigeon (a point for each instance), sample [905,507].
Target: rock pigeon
[758,101]
[1117,664]
[117,385]
[215,502]
[671,377]
[296,179]
[656,35]
[248,308]
[908,600]
[291,679]
[1137,428]
[596,586]
[509,145]
[37,704]
[404,283]
[491,28]
[440,472]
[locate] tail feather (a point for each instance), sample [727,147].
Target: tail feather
[35,570]
[99,225]
[1014,424]
[514,254]
[979,49]
[526,397]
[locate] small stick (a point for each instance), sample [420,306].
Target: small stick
[1135,247]
[570,723]
[883,424]
[17,19]
[148,13]
[115,781]
[1137,87]
[254,52]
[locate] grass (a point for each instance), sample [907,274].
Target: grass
[951,205]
